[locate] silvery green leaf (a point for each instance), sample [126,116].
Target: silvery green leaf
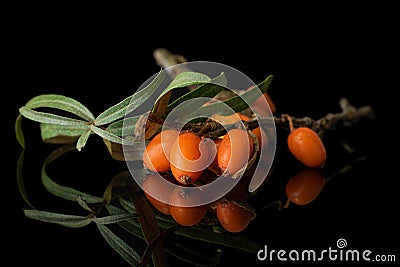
[83,139]
[206,90]
[120,246]
[111,137]
[58,190]
[67,220]
[117,218]
[61,102]
[236,103]
[62,134]
[49,118]
[130,103]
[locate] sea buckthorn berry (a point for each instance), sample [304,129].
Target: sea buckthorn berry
[233,216]
[154,189]
[236,144]
[305,186]
[155,156]
[186,215]
[307,146]
[187,161]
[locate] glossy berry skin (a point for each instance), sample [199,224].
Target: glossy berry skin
[307,147]
[154,189]
[187,164]
[186,215]
[155,156]
[233,217]
[232,151]
[305,186]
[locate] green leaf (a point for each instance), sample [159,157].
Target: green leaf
[83,139]
[183,79]
[49,118]
[18,131]
[20,178]
[237,103]
[119,110]
[120,246]
[127,205]
[113,218]
[73,221]
[61,102]
[187,78]
[112,137]
[207,90]
[131,226]
[61,134]
[64,192]
[126,125]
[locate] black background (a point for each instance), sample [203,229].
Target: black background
[316,59]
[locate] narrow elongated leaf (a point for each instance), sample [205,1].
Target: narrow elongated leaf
[64,192]
[20,178]
[131,226]
[62,134]
[83,139]
[237,103]
[183,79]
[126,125]
[111,137]
[84,204]
[119,110]
[113,218]
[207,90]
[49,118]
[18,131]
[67,220]
[187,78]
[61,102]
[120,246]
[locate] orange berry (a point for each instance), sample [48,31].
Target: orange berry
[233,217]
[155,155]
[154,190]
[186,215]
[307,147]
[231,152]
[305,186]
[187,162]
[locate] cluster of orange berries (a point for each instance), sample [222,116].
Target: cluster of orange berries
[182,158]
[179,157]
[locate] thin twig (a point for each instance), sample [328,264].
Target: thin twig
[210,128]
[348,116]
